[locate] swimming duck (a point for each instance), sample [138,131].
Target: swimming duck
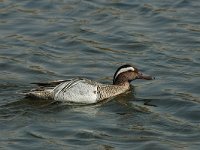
[81,90]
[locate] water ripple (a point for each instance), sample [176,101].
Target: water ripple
[48,40]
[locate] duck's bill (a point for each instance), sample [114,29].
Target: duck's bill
[145,77]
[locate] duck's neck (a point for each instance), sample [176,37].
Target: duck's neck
[121,80]
[124,83]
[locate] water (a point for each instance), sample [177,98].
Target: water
[48,40]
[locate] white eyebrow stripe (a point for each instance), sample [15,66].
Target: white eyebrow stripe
[124,70]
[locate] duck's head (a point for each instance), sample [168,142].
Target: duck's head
[128,73]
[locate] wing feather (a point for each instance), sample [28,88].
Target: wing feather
[50,83]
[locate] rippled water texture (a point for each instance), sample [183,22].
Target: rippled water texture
[42,40]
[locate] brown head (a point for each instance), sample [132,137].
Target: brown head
[128,73]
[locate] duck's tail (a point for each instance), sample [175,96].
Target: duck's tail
[40,94]
[44,90]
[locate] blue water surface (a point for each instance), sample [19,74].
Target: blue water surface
[42,40]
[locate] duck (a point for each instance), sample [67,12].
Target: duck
[83,90]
